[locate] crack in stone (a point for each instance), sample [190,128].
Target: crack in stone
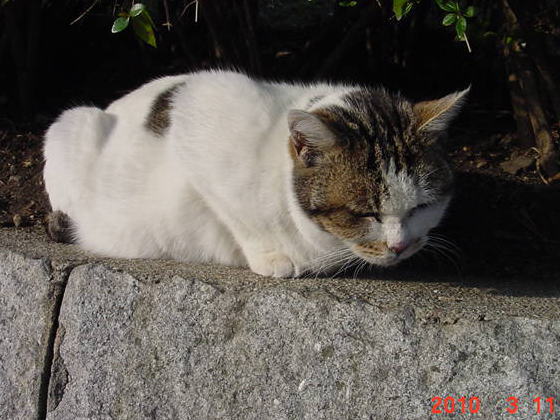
[59,373]
[59,280]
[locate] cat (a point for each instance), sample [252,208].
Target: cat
[289,179]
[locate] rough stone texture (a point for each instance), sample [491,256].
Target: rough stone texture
[28,297]
[155,339]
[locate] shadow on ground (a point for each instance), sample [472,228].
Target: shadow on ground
[507,238]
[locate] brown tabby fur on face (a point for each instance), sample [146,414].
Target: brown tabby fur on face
[376,131]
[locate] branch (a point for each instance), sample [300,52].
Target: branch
[85,12]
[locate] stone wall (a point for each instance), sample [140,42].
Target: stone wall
[83,337]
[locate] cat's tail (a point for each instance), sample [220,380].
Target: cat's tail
[60,228]
[72,144]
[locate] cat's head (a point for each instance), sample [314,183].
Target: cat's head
[369,169]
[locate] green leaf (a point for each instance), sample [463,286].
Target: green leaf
[448,6]
[469,12]
[449,19]
[347,3]
[137,9]
[461,27]
[408,8]
[398,8]
[147,16]
[144,30]
[120,24]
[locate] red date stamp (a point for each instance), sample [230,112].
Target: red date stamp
[472,405]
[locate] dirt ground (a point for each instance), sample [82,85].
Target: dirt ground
[503,220]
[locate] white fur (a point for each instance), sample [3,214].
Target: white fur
[399,226]
[216,188]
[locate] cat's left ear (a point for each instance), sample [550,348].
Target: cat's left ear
[309,135]
[436,115]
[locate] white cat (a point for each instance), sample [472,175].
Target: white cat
[216,167]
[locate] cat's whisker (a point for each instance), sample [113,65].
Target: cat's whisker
[442,240]
[445,248]
[431,252]
[347,263]
[356,270]
[326,257]
[330,255]
[325,262]
[342,261]
[424,177]
[446,253]
[344,264]
[436,253]
[359,268]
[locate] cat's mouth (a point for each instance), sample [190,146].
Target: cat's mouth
[378,253]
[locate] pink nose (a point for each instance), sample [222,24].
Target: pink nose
[399,247]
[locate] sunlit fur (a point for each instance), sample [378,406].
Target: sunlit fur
[211,167]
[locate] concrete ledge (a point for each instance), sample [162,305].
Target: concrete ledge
[86,337]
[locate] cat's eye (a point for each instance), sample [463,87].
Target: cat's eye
[372,214]
[418,207]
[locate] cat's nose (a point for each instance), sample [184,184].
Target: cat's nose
[399,247]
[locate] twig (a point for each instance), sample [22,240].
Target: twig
[538,166]
[548,154]
[85,12]
[167,21]
[195,2]
[540,173]
[468,44]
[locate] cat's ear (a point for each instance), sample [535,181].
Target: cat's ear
[437,114]
[309,135]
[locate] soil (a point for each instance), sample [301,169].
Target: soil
[23,201]
[503,220]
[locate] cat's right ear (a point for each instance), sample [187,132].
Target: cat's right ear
[309,136]
[436,115]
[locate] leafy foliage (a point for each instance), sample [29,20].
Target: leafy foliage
[401,8]
[455,15]
[142,23]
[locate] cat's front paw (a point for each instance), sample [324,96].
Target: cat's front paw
[272,264]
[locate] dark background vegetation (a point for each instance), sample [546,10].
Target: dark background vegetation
[505,219]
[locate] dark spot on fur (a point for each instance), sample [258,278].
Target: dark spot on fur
[59,227]
[158,120]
